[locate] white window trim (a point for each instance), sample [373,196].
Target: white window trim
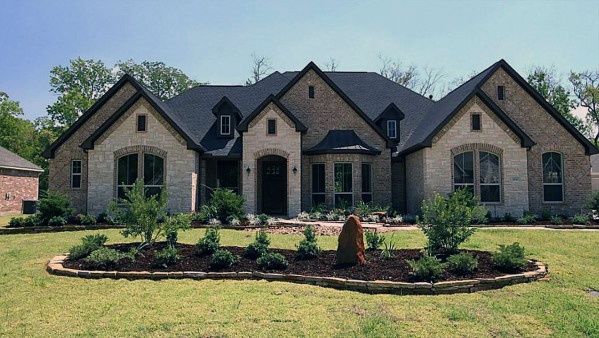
[228,132]
[351,193]
[561,157]
[394,123]
[76,174]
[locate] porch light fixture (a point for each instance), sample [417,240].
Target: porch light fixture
[294,170]
[248,170]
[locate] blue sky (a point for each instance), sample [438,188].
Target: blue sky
[212,41]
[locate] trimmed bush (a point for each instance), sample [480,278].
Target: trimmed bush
[510,258]
[427,268]
[226,203]
[593,202]
[308,248]
[582,219]
[556,220]
[104,258]
[210,242]
[167,256]
[462,263]
[173,224]
[374,240]
[206,213]
[446,221]
[57,221]
[32,221]
[104,218]
[86,219]
[16,222]
[53,205]
[507,217]
[272,261]
[88,244]
[222,259]
[527,218]
[259,247]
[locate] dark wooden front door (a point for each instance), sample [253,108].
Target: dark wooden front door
[274,187]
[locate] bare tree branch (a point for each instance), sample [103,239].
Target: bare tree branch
[331,65]
[430,81]
[260,68]
[394,71]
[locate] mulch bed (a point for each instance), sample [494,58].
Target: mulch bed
[376,268]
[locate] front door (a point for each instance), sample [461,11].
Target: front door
[274,187]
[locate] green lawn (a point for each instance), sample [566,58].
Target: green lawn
[33,303]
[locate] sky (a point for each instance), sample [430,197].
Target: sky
[212,41]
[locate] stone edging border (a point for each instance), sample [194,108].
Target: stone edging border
[55,267]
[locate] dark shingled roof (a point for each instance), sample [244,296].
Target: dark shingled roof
[342,142]
[11,160]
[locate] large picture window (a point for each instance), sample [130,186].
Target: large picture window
[463,171]
[318,184]
[343,185]
[129,169]
[490,177]
[366,182]
[553,177]
[480,173]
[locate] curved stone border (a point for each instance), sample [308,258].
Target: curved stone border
[55,267]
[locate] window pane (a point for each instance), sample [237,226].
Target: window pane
[343,200]
[392,129]
[225,124]
[553,193]
[317,199]
[366,177]
[463,168]
[272,126]
[141,123]
[152,191]
[343,177]
[127,170]
[367,198]
[489,168]
[552,168]
[318,179]
[476,122]
[489,193]
[76,183]
[228,174]
[76,167]
[153,170]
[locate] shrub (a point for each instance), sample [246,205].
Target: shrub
[446,220]
[57,221]
[259,247]
[167,256]
[234,221]
[141,215]
[210,242]
[88,244]
[87,219]
[172,225]
[16,222]
[53,205]
[226,203]
[545,214]
[427,268]
[509,257]
[206,213]
[272,261]
[263,219]
[103,258]
[32,221]
[507,217]
[556,220]
[387,252]
[593,202]
[480,215]
[462,263]
[222,259]
[581,219]
[527,218]
[308,248]
[303,216]
[374,240]
[104,218]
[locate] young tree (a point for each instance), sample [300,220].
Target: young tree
[331,65]
[586,90]
[260,67]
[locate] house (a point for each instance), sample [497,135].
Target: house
[19,181]
[297,139]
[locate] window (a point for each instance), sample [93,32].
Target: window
[228,175]
[553,177]
[366,182]
[343,185]
[142,123]
[501,93]
[272,127]
[490,178]
[463,171]
[225,124]
[311,92]
[475,123]
[76,174]
[318,181]
[129,168]
[392,129]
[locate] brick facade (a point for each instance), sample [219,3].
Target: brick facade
[16,186]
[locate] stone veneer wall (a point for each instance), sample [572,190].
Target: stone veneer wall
[326,111]
[181,163]
[494,137]
[285,143]
[16,186]
[414,182]
[59,177]
[549,135]
[398,185]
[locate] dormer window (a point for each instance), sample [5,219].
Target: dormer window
[392,129]
[500,93]
[311,92]
[225,124]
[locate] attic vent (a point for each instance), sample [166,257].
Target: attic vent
[311,92]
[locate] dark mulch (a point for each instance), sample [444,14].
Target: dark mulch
[376,268]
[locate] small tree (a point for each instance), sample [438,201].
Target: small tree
[172,225]
[140,214]
[446,220]
[226,203]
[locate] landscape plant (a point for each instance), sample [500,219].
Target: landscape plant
[272,261]
[526,218]
[374,240]
[582,219]
[167,256]
[172,225]
[308,247]
[446,221]
[427,268]
[57,221]
[593,202]
[210,242]
[226,203]
[259,246]
[222,259]
[510,258]
[462,263]
[104,258]
[53,205]
[88,244]
[389,247]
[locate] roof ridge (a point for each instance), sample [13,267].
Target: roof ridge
[472,78]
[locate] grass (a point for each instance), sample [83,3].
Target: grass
[33,303]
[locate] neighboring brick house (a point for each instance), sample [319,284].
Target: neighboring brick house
[297,139]
[19,181]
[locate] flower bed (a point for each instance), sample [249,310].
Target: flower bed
[378,275]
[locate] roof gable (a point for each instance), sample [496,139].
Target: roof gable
[225,106]
[392,112]
[243,126]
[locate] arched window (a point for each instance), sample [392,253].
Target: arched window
[490,177]
[463,171]
[129,169]
[553,177]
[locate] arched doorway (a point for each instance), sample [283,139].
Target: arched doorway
[272,185]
